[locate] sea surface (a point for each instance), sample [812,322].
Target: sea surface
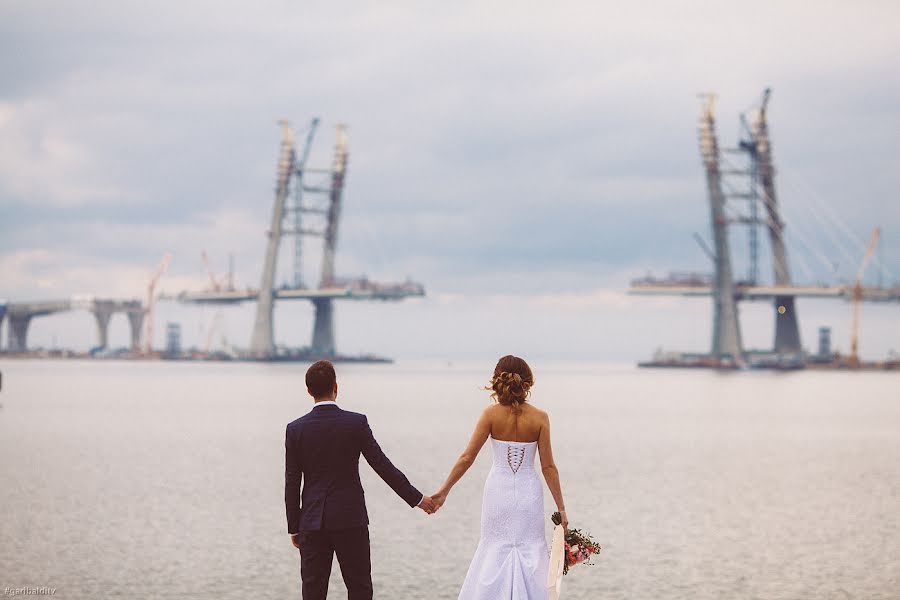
[165,480]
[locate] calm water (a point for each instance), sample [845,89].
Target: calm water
[165,480]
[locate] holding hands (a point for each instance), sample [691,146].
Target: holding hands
[431,504]
[439,497]
[428,505]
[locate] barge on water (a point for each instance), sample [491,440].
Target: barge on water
[768,361]
[294,355]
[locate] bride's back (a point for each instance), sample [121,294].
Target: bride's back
[511,558]
[516,424]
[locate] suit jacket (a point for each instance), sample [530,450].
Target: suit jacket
[321,451]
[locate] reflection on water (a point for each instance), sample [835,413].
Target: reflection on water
[165,480]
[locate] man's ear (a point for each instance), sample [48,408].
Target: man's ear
[309,391]
[335,389]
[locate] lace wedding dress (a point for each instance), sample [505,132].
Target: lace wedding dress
[511,560]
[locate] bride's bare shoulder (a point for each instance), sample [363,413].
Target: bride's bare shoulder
[537,412]
[490,411]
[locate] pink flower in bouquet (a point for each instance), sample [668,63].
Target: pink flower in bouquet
[579,545]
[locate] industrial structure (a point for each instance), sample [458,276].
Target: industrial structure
[140,318]
[726,342]
[757,190]
[19,315]
[302,211]
[151,302]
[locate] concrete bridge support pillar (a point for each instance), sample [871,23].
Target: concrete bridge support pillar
[18,332]
[787,330]
[323,327]
[103,316]
[136,320]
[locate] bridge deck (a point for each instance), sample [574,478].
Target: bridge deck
[767,292]
[386,293]
[37,308]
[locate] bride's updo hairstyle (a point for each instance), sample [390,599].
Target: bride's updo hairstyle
[512,381]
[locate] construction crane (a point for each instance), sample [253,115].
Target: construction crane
[853,359]
[215,285]
[151,301]
[224,282]
[217,325]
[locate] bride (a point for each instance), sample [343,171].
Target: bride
[511,560]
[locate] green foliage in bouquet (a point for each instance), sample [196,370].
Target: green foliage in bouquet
[580,545]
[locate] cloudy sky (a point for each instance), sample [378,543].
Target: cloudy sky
[523,160]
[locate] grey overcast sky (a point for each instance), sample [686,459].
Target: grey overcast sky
[524,160]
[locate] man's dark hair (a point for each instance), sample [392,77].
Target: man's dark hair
[320,379]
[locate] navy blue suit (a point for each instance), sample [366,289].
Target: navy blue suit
[322,450]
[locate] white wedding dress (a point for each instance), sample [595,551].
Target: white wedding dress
[511,560]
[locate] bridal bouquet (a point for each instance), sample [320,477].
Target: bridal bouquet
[579,546]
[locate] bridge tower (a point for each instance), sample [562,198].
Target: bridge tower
[787,332]
[291,172]
[262,342]
[726,339]
[18,332]
[103,310]
[323,327]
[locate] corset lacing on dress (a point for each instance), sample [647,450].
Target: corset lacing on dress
[515,456]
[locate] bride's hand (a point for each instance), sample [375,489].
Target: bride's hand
[439,498]
[564,520]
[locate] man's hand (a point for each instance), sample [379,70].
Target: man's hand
[428,505]
[295,540]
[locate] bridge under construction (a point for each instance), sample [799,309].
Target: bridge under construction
[754,186]
[302,210]
[20,314]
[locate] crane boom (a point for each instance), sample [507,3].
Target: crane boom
[151,301]
[857,297]
[873,243]
[212,278]
[213,326]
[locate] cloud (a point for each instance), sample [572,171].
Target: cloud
[497,149]
[44,166]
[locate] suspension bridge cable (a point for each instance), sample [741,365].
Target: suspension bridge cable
[812,246]
[806,240]
[375,246]
[826,228]
[828,211]
[795,238]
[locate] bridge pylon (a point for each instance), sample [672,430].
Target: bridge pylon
[136,322]
[102,314]
[726,340]
[787,329]
[17,340]
[262,342]
[290,172]
[323,328]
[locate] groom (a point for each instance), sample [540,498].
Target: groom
[323,447]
